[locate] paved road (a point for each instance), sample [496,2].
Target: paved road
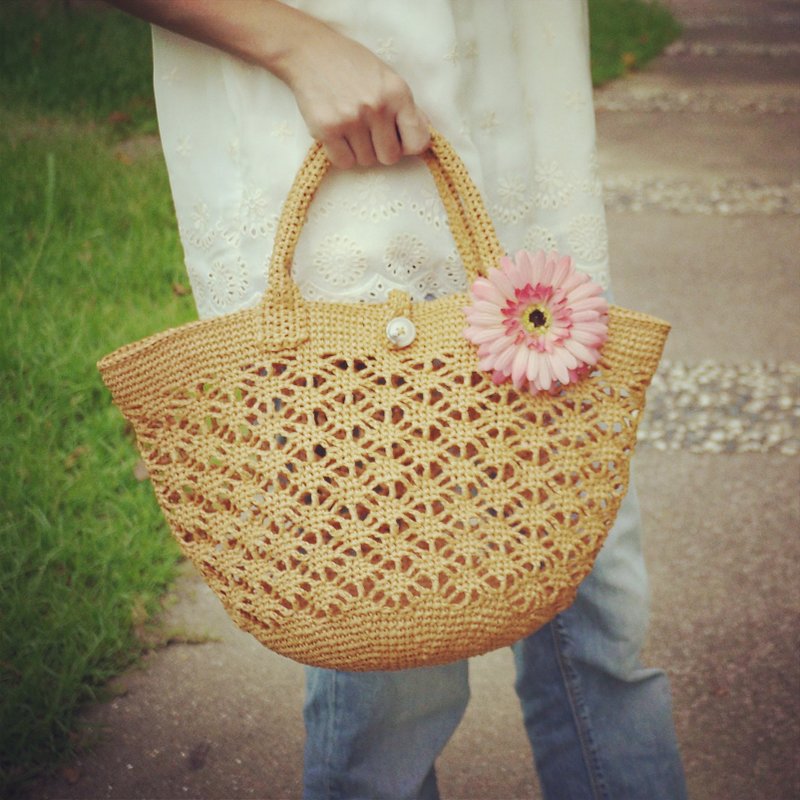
[700,157]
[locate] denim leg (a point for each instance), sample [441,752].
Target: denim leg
[372,735]
[601,724]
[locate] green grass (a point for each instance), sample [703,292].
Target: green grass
[89,259]
[626,34]
[93,66]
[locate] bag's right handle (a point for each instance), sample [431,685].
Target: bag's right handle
[446,165]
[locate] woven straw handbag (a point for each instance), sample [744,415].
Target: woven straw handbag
[362,501]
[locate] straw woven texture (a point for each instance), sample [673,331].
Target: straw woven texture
[363,506]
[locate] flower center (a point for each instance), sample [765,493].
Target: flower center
[537,319]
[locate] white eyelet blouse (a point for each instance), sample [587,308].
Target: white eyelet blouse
[506,81]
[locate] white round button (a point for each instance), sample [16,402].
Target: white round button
[401,331]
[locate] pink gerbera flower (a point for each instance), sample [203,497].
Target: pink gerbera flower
[537,321]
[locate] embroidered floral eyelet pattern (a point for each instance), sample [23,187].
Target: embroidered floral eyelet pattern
[539,238]
[340,262]
[588,238]
[228,283]
[371,198]
[254,213]
[552,189]
[405,255]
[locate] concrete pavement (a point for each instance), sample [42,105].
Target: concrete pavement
[700,158]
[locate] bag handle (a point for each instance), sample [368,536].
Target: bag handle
[283,308]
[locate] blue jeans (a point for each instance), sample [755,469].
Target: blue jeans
[599,723]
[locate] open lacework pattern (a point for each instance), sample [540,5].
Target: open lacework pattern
[362,506]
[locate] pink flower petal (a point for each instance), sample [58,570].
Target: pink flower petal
[561,271]
[505,359]
[573,280]
[585,290]
[488,318]
[569,360]
[585,336]
[547,271]
[560,369]
[544,344]
[533,365]
[595,357]
[598,329]
[597,303]
[545,377]
[558,333]
[485,306]
[586,315]
[519,366]
[517,274]
[536,266]
[501,343]
[550,357]
[505,262]
[483,289]
[581,352]
[480,335]
[502,283]
[487,363]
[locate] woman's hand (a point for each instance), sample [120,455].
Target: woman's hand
[362,111]
[358,107]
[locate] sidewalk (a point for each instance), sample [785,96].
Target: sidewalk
[702,169]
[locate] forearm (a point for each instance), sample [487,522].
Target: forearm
[361,110]
[263,32]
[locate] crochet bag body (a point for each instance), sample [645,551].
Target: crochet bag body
[362,501]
